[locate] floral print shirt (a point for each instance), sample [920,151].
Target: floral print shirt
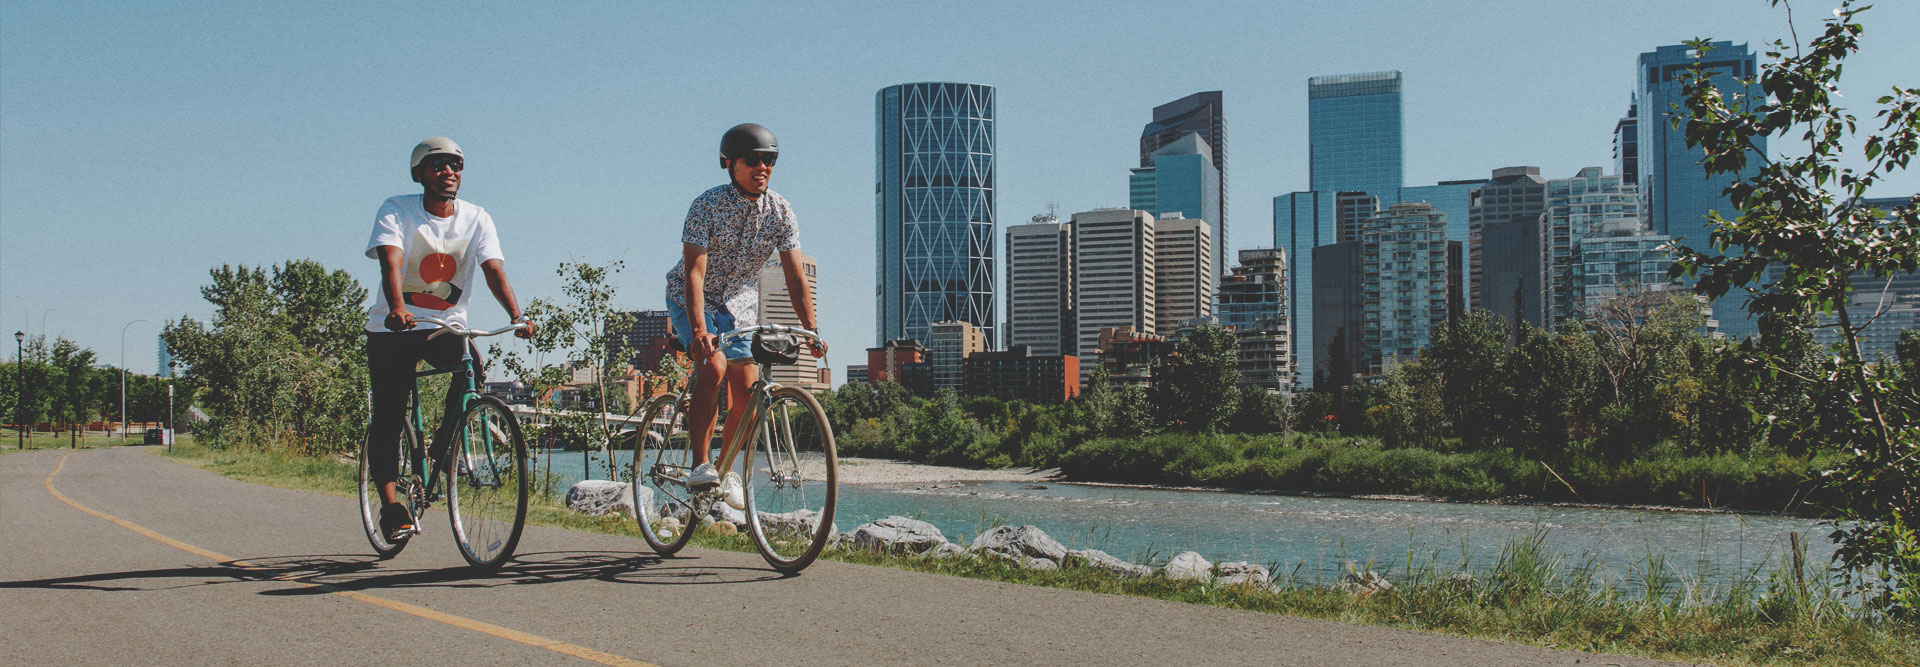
[740,235]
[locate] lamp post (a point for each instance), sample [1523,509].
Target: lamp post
[173,369]
[20,373]
[123,380]
[43,322]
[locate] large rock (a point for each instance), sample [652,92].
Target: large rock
[797,521]
[1018,543]
[945,550]
[599,496]
[1100,560]
[1188,566]
[1243,573]
[897,534]
[1364,583]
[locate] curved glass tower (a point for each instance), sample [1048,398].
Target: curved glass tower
[933,208]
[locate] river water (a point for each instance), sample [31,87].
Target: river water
[1315,539]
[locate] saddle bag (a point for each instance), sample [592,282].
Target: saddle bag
[776,349]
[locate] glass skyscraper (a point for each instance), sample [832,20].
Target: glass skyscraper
[1203,114]
[1674,187]
[934,208]
[1354,132]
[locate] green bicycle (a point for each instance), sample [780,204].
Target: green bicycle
[790,471]
[484,468]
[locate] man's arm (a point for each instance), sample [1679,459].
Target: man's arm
[802,296]
[496,273]
[398,318]
[704,343]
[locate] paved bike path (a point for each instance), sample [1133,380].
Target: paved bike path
[227,572]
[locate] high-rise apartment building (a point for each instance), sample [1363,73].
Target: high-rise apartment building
[1577,207]
[934,208]
[1675,190]
[1412,283]
[1204,114]
[1354,132]
[1514,193]
[1113,274]
[1040,286]
[776,307]
[948,346]
[1252,303]
[1182,180]
[1183,271]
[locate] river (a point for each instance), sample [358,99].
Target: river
[1315,538]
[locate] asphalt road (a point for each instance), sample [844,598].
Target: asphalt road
[176,565]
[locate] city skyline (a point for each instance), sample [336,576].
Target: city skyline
[277,140]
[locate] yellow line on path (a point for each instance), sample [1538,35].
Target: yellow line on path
[508,634]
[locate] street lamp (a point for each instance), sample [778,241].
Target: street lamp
[123,380]
[20,373]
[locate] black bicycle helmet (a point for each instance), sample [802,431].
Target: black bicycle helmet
[747,138]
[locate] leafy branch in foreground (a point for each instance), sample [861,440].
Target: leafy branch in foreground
[1802,242]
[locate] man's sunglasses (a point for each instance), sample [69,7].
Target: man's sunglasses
[436,164]
[757,159]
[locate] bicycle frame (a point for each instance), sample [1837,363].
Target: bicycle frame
[463,378]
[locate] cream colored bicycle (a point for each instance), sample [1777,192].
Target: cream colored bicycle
[790,471]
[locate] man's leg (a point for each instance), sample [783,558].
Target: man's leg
[740,379]
[705,411]
[391,357]
[440,353]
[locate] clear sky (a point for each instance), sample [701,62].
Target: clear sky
[143,143]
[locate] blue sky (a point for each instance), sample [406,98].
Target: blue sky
[142,144]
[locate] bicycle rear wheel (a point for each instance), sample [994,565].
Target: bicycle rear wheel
[487,483]
[370,501]
[662,458]
[793,481]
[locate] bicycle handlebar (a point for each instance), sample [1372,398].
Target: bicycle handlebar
[458,329]
[771,329]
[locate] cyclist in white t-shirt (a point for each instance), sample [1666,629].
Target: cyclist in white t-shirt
[429,246]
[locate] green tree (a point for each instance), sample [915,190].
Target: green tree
[1409,412]
[1259,412]
[1194,388]
[1800,241]
[1551,380]
[1465,358]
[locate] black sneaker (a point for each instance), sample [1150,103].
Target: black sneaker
[396,522]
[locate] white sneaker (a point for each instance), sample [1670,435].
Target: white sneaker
[731,492]
[703,477]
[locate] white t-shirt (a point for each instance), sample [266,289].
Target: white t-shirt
[440,257]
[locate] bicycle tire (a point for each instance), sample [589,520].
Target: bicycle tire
[662,459]
[793,481]
[371,502]
[487,483]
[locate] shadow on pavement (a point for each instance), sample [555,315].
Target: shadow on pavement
[357,572]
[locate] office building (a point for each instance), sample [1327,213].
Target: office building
[857,374]
[164,361]
[904,361]
[1411,283]
[934,208]
[1354,132]
[1337,331]
[1626,144]
[948,345]
[1512,280]
[1303,222]
[1040,286]
[647,338]
[1113,266]
[1577,207]
[1017,374]
[776,307]
[1182,181]
[1252,302]
[1618,257]
[1676,192]
[1203,114]
[1513,194]
[1183,271]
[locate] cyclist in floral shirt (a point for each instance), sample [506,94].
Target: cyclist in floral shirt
[730,233]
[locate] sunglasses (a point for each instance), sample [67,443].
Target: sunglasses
[758,159]
[436,164]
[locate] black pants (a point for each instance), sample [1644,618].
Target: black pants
[391,358]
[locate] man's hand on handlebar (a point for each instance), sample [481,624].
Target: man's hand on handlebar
[817,347]
[527,332]
[399,319]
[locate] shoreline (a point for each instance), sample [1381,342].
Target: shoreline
[872,471]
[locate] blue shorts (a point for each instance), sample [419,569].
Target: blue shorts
[719,321]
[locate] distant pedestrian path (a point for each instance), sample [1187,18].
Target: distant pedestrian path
[162,564]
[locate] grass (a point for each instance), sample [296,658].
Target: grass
[1776,615]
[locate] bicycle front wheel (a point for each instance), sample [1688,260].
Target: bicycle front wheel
[370,499]
[487,483]
[794,479]
[662,458]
